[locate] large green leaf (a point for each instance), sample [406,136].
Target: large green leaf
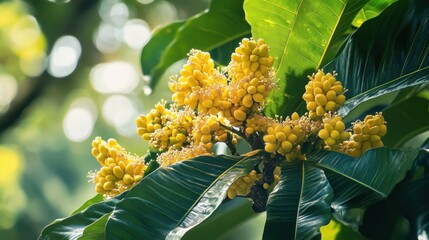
[74,227]
[221,24]
[381,96]
[172,200]
[359,182]
[299,204]
[153,50]
[303,35]
[391,48]
[371,10]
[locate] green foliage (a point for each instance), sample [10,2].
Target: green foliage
[302,196]
[371,10]
[221,24]
[384,61]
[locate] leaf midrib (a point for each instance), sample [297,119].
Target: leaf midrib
[352,179]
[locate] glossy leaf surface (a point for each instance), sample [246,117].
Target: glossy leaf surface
[300,203]
[174,199]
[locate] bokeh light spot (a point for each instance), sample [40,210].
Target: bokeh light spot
[120,111]
[79,121]
[136,33]
[114,77]
[64,56]
[8,90]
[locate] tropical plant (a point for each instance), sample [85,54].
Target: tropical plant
[258,129]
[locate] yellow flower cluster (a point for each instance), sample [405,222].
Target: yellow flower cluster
[251,79]
[207,131]
[173,156]
[366,135]
[250,60]
[166,129]
[258,123]
[323,94]
[119,170]
[285,137]
[243,185]
[200,85]
[333,132]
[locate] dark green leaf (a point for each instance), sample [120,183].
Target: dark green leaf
[414,204]
[221,24]
[414,112]
[359,182]
[96,199]
[303,35]
[371,10]
[222,54]
[396,54]
[96,229]
[74,226]
[174,199]
[300,203]
[153,50]
[381,96]
[151,166]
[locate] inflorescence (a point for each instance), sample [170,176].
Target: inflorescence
[211,106]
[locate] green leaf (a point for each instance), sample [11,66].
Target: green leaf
[221,24]
[222,54]
[414,112]
[174,199]
[359,182]
[96,199]
[299,204]
[303,35]
[151,166]
[414,204]
[153,50]
[95,230]
[371,10]
[74,227]
[381,96]
[396,54]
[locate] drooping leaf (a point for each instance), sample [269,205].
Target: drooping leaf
[221,24]
[381,96]
[371,10]
[96,199]
[299,204]
[172,200]
[303,35]
[414,112]
[396,54]
[73,227]
[359,182]
[152,52]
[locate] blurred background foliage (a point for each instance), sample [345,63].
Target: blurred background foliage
[69,71]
